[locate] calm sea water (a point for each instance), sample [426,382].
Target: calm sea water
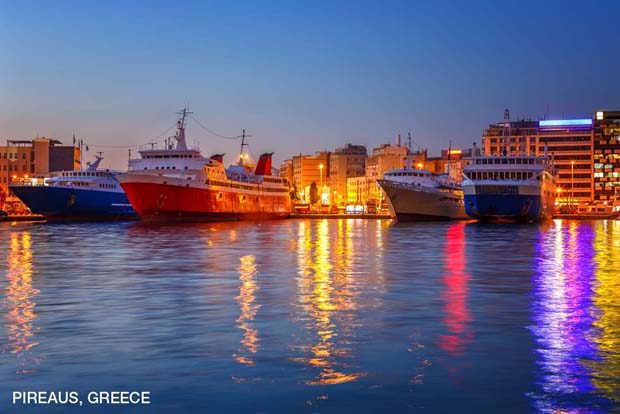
[314,316]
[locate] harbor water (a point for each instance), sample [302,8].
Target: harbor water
[314,316]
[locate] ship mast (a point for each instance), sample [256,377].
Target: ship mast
[180,136]
[243,144]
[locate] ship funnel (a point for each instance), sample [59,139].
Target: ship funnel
[218,158]
[264,164]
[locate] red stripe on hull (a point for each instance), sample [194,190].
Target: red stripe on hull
[155,202]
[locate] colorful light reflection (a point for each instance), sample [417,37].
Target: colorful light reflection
[249,308]
[606,308]
[20,295]
[456,312]
[326,299]
[564,315]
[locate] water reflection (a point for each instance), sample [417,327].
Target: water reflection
[456,312]
[20,295]
[249,308]
[326,296]
[606,307]
[564,313]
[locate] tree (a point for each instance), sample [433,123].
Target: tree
[314,193]
[294,194]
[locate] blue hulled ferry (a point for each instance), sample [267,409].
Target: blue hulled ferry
[91,194]
[509,188]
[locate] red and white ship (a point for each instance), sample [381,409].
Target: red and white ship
[179,184]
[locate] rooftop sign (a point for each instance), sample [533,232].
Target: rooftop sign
[565,123]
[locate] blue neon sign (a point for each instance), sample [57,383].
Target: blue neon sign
[565,122]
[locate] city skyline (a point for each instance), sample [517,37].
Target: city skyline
[298,77]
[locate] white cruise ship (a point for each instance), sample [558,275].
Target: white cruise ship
[419,195]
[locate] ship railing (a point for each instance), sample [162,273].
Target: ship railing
[411,186]
[242,177]
[447,181]
[28,182]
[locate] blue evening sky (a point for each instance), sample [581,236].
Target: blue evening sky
[300,76]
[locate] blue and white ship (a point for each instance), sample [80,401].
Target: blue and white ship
[509,188]
[91,194]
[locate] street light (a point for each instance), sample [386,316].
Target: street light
[420,165]
[572,181]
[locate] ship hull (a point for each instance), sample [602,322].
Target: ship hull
[516,208]
[527,204]
[156,201]
[71,204]
[414,205]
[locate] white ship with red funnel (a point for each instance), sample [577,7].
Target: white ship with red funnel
[179,184]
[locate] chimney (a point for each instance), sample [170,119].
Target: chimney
[263,167]
[398,140]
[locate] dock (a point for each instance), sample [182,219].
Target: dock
[23,217]
[340,216]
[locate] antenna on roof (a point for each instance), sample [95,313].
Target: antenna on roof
[505,132]
[409,141]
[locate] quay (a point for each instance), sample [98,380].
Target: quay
[340,216]
[583,216]
[22,217]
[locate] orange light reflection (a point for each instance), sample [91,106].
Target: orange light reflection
[20,295]
[249,308]
[326,298]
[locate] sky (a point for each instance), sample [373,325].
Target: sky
[299,76]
